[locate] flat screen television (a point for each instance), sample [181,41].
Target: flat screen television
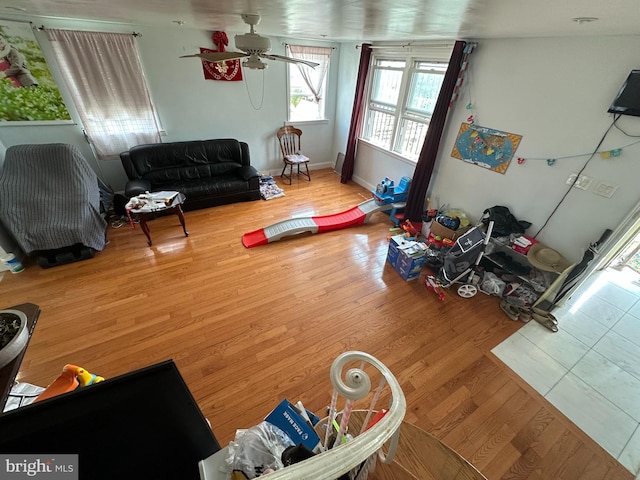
[141,425]
[627,101]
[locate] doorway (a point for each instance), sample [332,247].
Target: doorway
[627,260]
[619,254]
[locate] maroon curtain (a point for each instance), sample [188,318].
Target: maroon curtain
[427,159]
[357,114]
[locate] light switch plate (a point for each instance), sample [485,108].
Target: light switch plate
[583,182]
[605,189]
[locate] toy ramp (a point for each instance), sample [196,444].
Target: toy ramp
[354,216]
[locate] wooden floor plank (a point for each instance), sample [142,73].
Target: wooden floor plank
[248,327]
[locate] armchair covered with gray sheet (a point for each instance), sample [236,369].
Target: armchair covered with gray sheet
[50,199]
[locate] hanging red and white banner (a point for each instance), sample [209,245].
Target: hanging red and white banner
[229,70]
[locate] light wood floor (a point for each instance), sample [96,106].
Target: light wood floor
[249,327]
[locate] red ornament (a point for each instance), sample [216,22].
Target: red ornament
[520,160]
[220,40]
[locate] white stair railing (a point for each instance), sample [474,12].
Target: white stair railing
[344,457]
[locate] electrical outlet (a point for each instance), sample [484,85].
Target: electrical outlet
[583,182]
[605,189]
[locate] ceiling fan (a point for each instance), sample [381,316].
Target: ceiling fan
[253,47]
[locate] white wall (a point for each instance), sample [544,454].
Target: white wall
[555,93]
[193,108]
[348,74]
[190,107]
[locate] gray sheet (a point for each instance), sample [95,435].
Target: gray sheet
[49,198]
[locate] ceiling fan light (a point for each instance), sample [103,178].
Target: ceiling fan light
[252,43]
[254,63]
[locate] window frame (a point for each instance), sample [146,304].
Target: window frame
[322,118]
[428,61]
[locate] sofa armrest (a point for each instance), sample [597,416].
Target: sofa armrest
[134,188]
[129,169]
[247,172]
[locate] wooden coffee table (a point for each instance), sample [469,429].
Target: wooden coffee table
[149,213]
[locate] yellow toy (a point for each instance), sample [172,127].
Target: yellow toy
[71,377]
[85,378]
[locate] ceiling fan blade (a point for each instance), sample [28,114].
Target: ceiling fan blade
[217,56]
[289,59]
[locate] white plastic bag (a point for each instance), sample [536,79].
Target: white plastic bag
[257,449]
[491,284]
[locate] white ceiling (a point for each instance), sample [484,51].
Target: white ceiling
[355,20]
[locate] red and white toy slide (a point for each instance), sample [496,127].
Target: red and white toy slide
[355,216]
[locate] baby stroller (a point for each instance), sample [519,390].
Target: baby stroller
[460,263]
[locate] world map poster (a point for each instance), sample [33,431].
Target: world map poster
[485,147]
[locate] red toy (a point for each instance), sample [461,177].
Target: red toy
[431,284]
[411,229]
[439,242]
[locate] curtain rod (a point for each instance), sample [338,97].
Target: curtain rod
[409,45]
[284,44]
[135,34]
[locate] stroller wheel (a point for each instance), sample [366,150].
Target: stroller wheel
[467,291]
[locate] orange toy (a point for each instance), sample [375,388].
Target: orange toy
[411,229]
[71,377]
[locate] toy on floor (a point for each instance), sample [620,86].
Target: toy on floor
[71,377]
[357,215]
[386,192]
[410,230]
[431,284]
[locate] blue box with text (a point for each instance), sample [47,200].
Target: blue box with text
[287,419]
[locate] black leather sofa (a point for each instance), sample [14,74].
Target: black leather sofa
[208,172]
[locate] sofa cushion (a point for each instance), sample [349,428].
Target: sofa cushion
[222,184]
[194,159]
[172,175]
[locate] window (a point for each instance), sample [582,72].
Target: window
[402,96]
[105,79]
[307,86]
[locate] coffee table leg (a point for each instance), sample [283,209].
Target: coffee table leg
[145,228]
[181,217]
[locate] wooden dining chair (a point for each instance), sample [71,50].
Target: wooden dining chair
[289,139]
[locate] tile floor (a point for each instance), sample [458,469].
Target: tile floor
[590,368]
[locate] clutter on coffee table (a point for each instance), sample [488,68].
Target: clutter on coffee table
[147,204]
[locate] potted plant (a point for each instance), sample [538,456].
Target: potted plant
[13,335]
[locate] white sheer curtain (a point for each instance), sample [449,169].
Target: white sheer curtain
[313,77]
[104,76]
